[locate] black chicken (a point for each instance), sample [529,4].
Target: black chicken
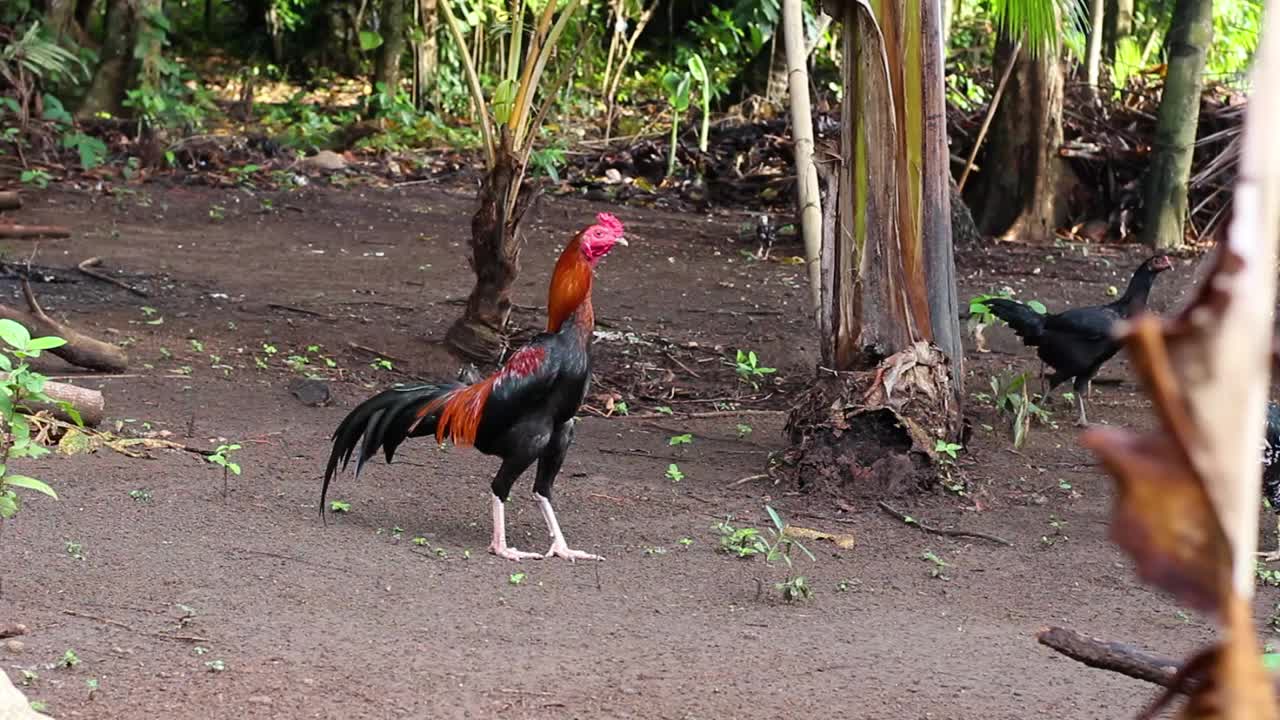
[1077,342]
[1271,473]
[523,413]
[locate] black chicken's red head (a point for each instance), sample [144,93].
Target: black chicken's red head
[598,239]
[1158,263]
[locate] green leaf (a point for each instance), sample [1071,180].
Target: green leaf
[504,97]
[234,468]
[8,504]
[1271,661]
[369,40]
[14,334]
[30,483]
[773,515]
[6,363]
[698,69]
[45,343]
[1037,306]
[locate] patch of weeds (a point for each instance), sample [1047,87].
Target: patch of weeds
[1053,538]
[685,542]
[382,364]
[793,588]
[217,213]
[216,666]
[516,578]
[1011,396]
[674,473]
[664,410]
[196,345]
[743,430]
[69,659]
[75,549]
[339,506]
[937,565]
[29,677]
[676,440]
[847,585]
[200,650]
[1266,576]
[651,551]
[946,452]
[420,541]
[141,495]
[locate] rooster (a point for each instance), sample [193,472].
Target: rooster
[523,413]
[1077,342]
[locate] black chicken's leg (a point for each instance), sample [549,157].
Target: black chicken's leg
[502,482]
[548,467]
[1081,387]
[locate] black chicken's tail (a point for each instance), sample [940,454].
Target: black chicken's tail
[383,421]
[1027,323]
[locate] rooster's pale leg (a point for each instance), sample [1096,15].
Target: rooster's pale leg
[1082,421]
[559,548]
[498,546]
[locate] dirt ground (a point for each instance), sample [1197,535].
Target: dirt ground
[357,619]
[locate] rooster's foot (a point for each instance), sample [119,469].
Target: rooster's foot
[510,553]
[1269,557]
[562,550]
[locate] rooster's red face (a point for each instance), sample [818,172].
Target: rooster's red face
[600,238]
[1160,263]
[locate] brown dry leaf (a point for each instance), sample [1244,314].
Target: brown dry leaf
[842,541]
[1163,518]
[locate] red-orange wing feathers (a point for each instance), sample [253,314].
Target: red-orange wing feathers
[462,410]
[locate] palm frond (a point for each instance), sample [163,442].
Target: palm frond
[1040,24]
[42,57]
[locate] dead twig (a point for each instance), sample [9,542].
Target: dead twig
[913,522]
[300,311]
[82,350]
[87,266]
[9,630]
[34,232]
[122,626]
[374,352]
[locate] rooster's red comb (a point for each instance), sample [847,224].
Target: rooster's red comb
[609,222]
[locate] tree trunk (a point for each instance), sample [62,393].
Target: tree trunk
[496,240]
[111,77]
[1117,25]
[1166,186]
[387,66]
[84,8]
[428,51]
[888,293]
[1022,174]
[1093,51]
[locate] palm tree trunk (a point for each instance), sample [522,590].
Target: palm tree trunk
[387,65]
[1166,191]
[111,77]
[1022,173]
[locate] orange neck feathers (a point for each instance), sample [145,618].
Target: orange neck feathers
[570,291]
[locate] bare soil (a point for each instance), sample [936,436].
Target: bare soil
[355,619]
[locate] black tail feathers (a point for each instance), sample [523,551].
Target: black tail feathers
[1027,323]
[383,421]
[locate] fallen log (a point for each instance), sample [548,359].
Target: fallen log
[10,200]
[81,350]
[86,401]
[34,232]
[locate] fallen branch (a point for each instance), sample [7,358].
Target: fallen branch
[374,352]
[913,522]
[87,266]
[117,623]
[34,232]
[88,402]
[10,200]
[1113,656]
[9,630]
[82,350]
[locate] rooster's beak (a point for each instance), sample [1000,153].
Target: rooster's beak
[621,241]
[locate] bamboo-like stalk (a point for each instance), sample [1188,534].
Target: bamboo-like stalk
[618,10]
[517,38]
[473,80]
[520,114]
[802,134]
[629,47]
[524,91]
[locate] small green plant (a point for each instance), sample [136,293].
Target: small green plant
[36,177]
[75,549]
[1057,525]
[216,666]
[621,408]
[20,388]
[339,506]
[381,364]
[664,410]
[516,578]
[222,457]
[420,541]
[1011,395]
[673,473]
[69,659]
[685,439]
[217,213]
[946,452]
[793,588]
[742,542]
[749,369]
[1266,576]
[677,87]
[937,565]
[698,71]
[685,542]
[743,430]
[942,447]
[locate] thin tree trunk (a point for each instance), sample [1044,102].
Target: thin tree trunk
[1093,51]
[797,72]
[1023,175]
[84,8]
[428,49]
[387,66]
[111,77]
[1117,25]
[496,240]
[1166,190]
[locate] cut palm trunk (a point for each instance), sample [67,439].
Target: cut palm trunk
[80,350]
